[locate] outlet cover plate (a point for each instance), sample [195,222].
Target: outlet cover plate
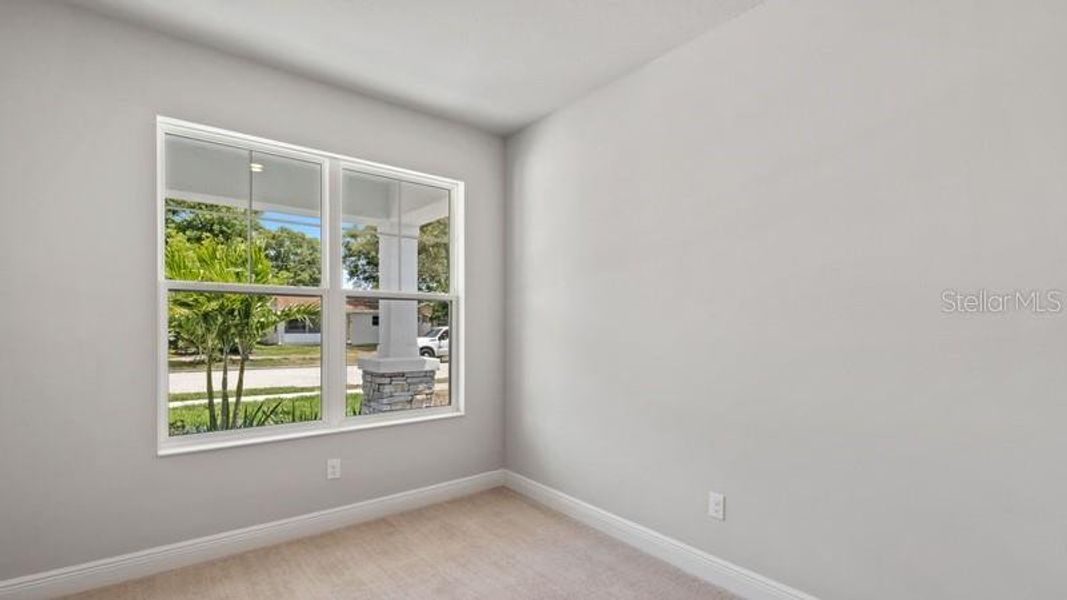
[717,506]
[333,468]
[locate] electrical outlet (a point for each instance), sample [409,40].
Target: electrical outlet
[333,468]
[717,506]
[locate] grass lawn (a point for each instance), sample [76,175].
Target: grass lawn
[269,356]
[271,411]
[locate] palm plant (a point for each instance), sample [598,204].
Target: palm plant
[260,415]
[216,325]
[253,318]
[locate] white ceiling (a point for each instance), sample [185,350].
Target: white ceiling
[498,64]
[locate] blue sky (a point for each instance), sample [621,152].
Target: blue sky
[309,226]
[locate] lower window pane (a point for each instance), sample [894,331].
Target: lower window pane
[239,361]
[398,355]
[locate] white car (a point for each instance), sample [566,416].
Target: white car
[435,343]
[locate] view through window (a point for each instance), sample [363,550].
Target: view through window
[249,293]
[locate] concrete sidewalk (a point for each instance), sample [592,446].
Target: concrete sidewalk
[439,386]
[195,381]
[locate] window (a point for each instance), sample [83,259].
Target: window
[295,289]
[303,326]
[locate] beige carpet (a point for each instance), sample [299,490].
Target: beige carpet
[492,545]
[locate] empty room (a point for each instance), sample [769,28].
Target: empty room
[533,299]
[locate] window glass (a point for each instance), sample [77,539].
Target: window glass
[207,194]
[238,207]
[424,248]
[370,222]
[287,212]
[303,326]
[395,366]
[233,363]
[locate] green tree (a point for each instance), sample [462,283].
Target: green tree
[294,256]
[198,221]
[433,256]
[361,260]
[359,254]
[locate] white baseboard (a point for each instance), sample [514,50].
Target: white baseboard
[69,580]
[712,569]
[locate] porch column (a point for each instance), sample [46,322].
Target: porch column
[397,378]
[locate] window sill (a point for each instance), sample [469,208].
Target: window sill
[219,441]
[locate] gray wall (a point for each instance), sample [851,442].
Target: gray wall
[724,273]
[80,478]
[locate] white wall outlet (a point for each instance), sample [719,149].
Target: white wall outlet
[716,506]
[333,468]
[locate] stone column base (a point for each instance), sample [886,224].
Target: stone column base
[403,390]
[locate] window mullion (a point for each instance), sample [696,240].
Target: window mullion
[398,295]
[241,288]
[336,384]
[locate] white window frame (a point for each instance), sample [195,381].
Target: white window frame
[332,297]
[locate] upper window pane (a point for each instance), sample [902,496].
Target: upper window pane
[207,194]
[370,219]
[234,215]
[424,249]
[287,217]
[396,234]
